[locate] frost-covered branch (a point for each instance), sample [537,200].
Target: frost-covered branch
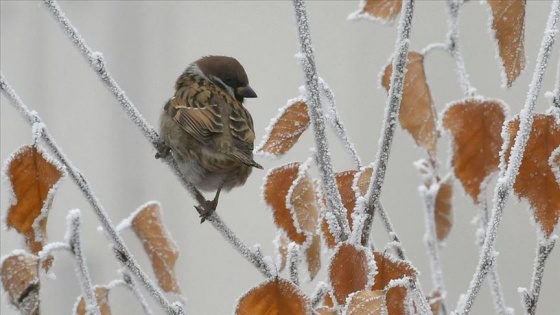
[123,252]
[335,121]
[392,107]
[530,298]
[320,291]
[507,179]
[323,156]
[293,262]
[131,285]
[73,239]
[556,91]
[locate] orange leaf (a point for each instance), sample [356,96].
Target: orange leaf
[323,310]
[313,254]
[535,181]
[363,180]
[302,202]
[508,23]
[101,294]
[384,11]
[276,187]
[351,270]
[389,268]
[435,301]
[476,127]
[275,296]
[159,246]
[417,114]
[443,209]
[20,279]
[34,179]
[365,303]
[285,129]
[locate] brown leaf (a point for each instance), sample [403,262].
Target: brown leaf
[303,204]
[344,182]
[363,180]
[313,254]
[275,296]
[350,270]
[508,23]
[435,301]
[20,279]
[102,295]
[33,179]
[443,208]
[417,114]
[476,127]
[328,301]
[365,303]
[276,187]
[285,129]
[382,10]
[159,246]
[389,268]
[535,181]
[323,310]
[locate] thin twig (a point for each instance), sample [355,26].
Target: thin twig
[131,285]
[323,155]
[506,180]
[293,262]
[320,291]
[556,91]
[392,107]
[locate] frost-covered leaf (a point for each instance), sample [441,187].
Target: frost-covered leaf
[476,127]
[365,303]
[389,268]
[378,10]
[362,180]
[102,296]
[313,256]
[281,243]
[536,182]
[344,181]
[434,299]
[275,296]
[352,269]
[443,208]
[302,202]
[285,129]
[417,114]
[20,280]
[324,310]
[508,25]
[158,244]
[33,177]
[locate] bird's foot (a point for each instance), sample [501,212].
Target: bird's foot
[206,209]
[163,150]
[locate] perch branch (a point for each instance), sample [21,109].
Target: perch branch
[506,180]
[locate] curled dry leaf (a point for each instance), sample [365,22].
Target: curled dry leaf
[275,296]
[34,179]
[351,270]
[476,127]
[20,280]
[344,182]
[417,114]
[378,10]
[365,303]
[508,24]
[443,208]
[159,246]
[285,129]
[102,296]
[389,268]
[535,181]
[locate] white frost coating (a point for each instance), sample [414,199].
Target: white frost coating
[361,14]
[49,248]
[37,131]
[321,290]
[302,174]
[358,220]
[293,262]
[554,165]
[127,222]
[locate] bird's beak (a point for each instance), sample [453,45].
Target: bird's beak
[246,91]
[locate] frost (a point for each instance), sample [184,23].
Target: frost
[126,223]
[554,162]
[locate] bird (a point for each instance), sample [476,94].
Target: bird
[208,129]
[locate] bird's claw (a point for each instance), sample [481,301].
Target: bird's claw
[206,209]
[163,150]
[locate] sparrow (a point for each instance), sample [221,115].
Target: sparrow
[208,130]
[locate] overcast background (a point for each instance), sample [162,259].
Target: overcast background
[147,44]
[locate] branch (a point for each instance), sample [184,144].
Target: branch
[530,299]
[392,107]
[293,262]
[323,156]
[556,91]
[506,180]
[98,64]
[131,285]
[124,254]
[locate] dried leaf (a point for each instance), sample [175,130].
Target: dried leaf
[159,246]
[535,181]
[350,270]
[276,187]
[363,180]
[435,301]
[443,208]
[476,127]
[365,303]
[102,296]
[508,24]
[34,179]
[275,296]
[302,202]
[20,280]
[313,254]
[344,182]
[417,114]
[323,310]
[285,129]
[389,268]
[378,10]
[328,301]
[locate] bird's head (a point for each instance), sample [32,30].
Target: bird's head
[227,73]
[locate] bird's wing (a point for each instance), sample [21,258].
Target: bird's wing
[242,131]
